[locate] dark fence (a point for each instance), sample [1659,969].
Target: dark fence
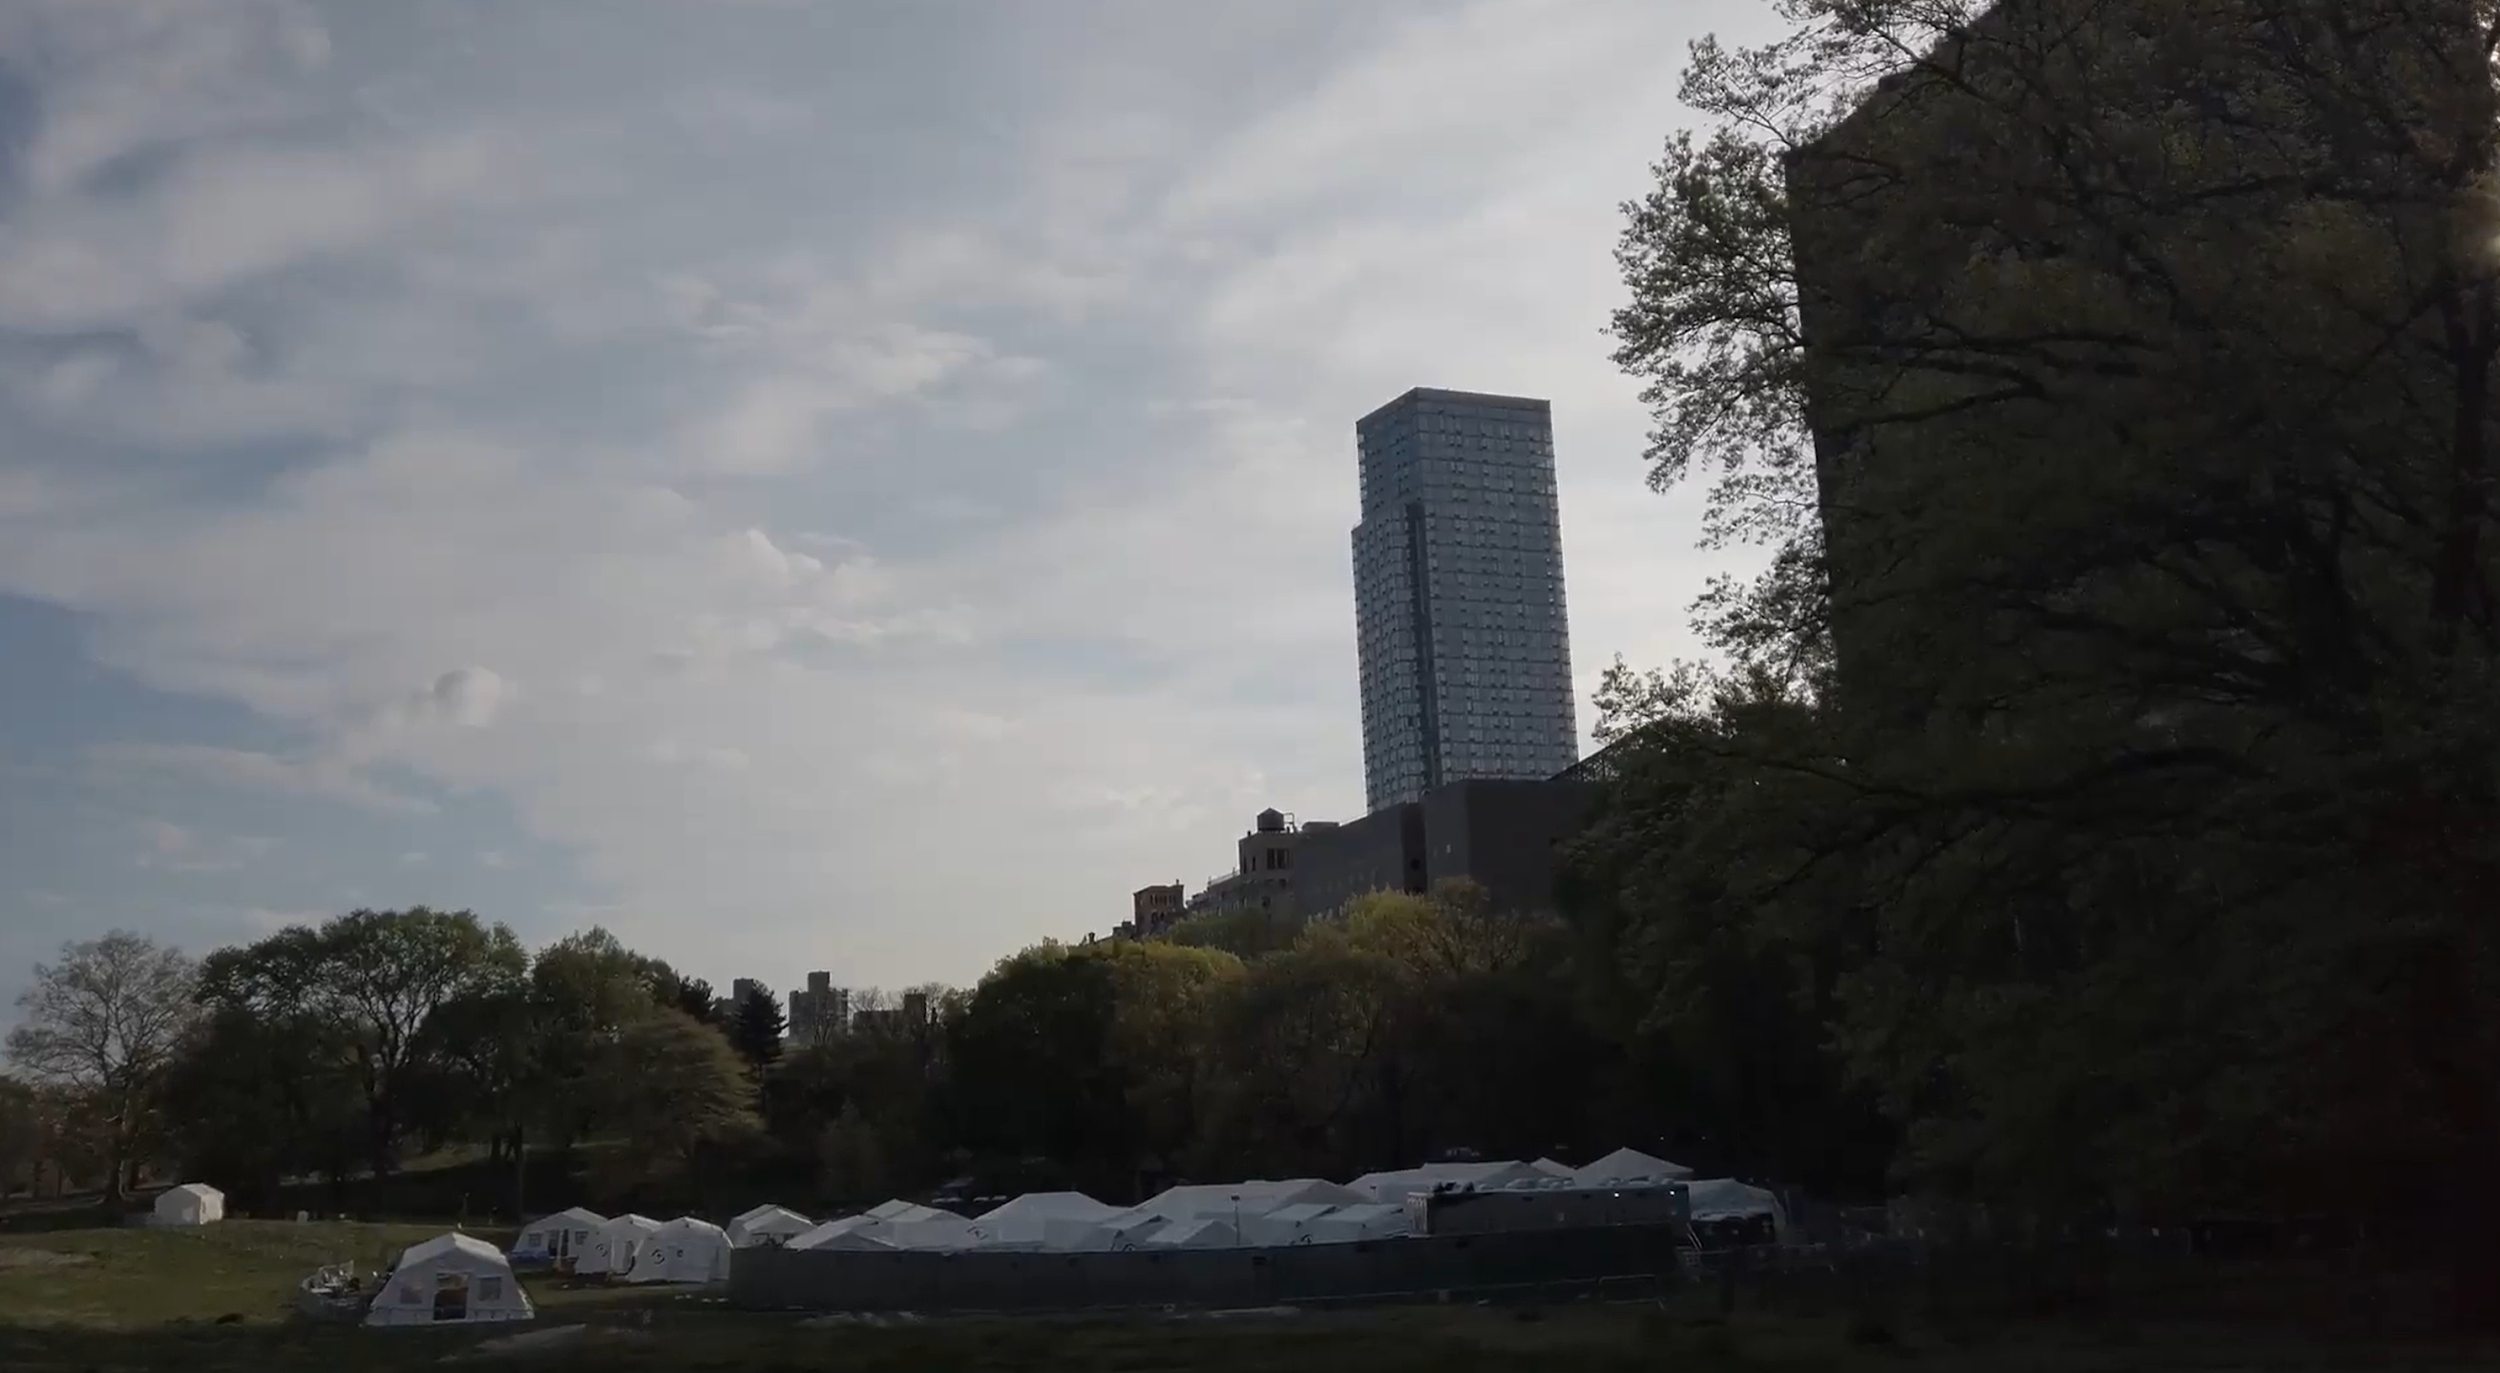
[2351,1290]
[1555,1262]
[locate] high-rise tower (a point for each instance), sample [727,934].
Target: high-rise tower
[1460,630]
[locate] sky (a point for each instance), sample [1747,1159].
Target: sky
[855,486]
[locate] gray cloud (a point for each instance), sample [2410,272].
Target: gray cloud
[873,485]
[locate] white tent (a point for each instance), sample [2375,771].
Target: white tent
[855,1240]
[823,1235]
[1285,1225]
[1127,1230]
[903,1226]
[553,1239]
[767,1225]
[450,1279]
[1042,1220]
[685,1250]
[612,1249]
[1396,1185]
[942,1231]
[1630,1165]
[1347,1224]
[1550,1168]
[1231,1200]
[1202,1233]
[1728,1199]
[193,1203]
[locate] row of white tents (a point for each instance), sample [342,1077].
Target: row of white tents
[1260,1212]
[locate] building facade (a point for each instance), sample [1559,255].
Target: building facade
[820,1012]
[1152,910]
[1462,637]
[1263,878]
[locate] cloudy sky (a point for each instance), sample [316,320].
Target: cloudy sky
[849,485]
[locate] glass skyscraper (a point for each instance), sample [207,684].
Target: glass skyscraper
[1464,646]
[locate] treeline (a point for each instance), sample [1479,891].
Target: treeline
[1408,1028]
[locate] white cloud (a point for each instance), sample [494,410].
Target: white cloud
[310,778]
[169,847]
[903,539]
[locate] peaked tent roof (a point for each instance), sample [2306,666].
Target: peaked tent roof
[1254,1197]
[1726,1199]
[440,1246]
[580,1213]
[1630,1165]
[1397,1184]
[1051,1206]
[1204,1233]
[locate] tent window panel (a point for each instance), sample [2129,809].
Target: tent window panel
[490,1288]
[409,1295]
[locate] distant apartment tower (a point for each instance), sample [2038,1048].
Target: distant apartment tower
[1152,910]
[1461,635]
[820,1013]
[742,990]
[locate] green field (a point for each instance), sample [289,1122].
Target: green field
[222,1298]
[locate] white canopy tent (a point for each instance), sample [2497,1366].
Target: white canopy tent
[1042,1220]
[1550,1168]
[1229,1201]
[1128,1229]
[1202,1233]
[1728,1199]
[552,1239]
[900,1226]
[767,1225]
[1395,1185]
[841,1240]
[942,1231]
[1285,1225]
[1371,1221]
[683,1251]
[1629,1165]
[192,1203]
[611,1251]
[450,1279]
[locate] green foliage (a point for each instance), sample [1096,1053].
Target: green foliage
[1241,933]
[676,1094]
[755,1029]
[2100,775]
[357,996]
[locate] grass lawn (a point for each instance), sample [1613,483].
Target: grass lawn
[220,1298]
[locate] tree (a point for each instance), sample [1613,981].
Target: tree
[2135,587]
[253,1099]
[676,1090]
[21,1133]
[1034,1070]
[756,1027]
[371,981]
[104,1022]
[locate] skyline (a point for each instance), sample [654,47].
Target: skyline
[594,471]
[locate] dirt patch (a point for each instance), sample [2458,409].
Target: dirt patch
[40,1258]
